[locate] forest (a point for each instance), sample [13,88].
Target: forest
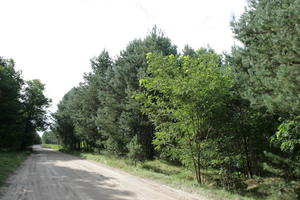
[235,113]
[23,108]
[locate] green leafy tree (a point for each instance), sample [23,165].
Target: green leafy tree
[183,97]
[35,105]
[23,108]
[11,124]
[288,135]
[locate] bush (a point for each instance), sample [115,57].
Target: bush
[135,150]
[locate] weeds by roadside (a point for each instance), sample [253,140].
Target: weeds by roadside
[10,161]
[52,146]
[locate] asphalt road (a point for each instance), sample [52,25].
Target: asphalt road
[52,175]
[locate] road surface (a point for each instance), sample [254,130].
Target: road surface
[52,175]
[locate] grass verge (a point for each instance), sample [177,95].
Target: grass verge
[9,162]
[52,146]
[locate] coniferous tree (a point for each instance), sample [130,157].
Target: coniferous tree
[268,68]
[268,61]
[64,125]
[121,116]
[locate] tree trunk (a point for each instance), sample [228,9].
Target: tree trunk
[248,161]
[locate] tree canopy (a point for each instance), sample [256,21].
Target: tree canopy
[23,108]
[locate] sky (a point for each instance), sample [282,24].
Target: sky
[54,40]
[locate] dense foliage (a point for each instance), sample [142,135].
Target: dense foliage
[23,107]
[184,99]
[268,68]
[269,59]
[230,119]
[100,113]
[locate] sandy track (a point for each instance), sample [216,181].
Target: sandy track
[51,175]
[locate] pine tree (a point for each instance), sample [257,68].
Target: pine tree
[121,118]
[269,59]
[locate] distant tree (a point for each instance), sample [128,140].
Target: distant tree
[49,137]
[35,105]
[37,139]
[92,100]
[64,125]
[188,51]
[78,114]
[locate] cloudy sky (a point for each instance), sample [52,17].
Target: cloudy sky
[53,40]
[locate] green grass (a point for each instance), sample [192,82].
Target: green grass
[52,146]
[9,162]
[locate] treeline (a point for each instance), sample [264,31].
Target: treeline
[237,113]
[23,107]
[49,137]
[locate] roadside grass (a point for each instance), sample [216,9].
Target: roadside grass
[9,162]
[52,146]
[182,178]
